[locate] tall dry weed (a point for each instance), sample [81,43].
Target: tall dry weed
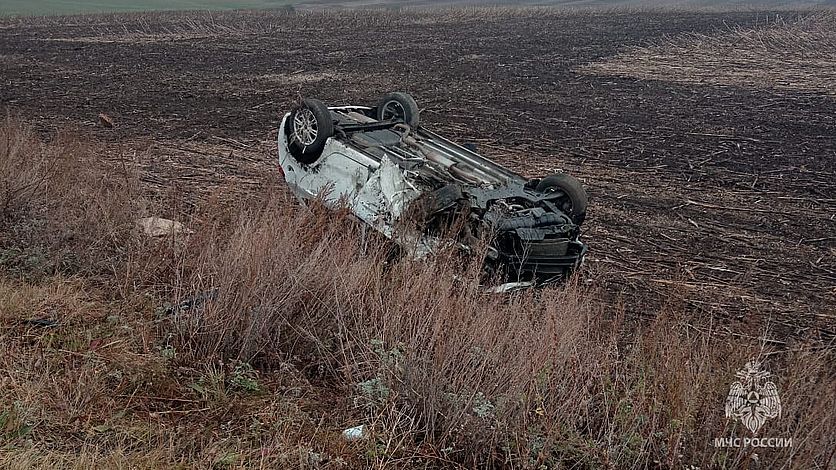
[65,205]
[441,371]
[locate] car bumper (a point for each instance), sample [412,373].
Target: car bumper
[546,259]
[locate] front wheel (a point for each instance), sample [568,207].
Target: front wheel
[308,128]
[576,198]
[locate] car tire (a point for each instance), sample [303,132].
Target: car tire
[398,105]
[307,129]
[576,196]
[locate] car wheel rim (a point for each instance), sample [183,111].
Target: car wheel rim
[304,127]
[393,110]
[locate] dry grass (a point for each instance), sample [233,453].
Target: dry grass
[797,54]
[102,390]
[444,373]
[63,208]
[292,326]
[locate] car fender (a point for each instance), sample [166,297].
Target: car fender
[338,175]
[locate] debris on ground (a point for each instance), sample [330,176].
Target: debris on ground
[106,120]
[42,322]
[355,434]
[158,227]
[190,303]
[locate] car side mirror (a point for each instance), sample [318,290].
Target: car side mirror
[470,146]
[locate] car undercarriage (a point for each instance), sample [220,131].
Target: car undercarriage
[419,189]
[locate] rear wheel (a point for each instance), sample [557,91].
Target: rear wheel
[308,128]
[399,106]
[576,198]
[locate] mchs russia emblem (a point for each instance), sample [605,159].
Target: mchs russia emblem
[753,399]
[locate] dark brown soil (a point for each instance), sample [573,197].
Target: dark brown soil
[724,196]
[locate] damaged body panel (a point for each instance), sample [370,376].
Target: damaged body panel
[387,169]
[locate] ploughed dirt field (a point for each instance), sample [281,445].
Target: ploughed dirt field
[707,141]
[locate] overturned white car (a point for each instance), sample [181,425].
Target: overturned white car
[392,173]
